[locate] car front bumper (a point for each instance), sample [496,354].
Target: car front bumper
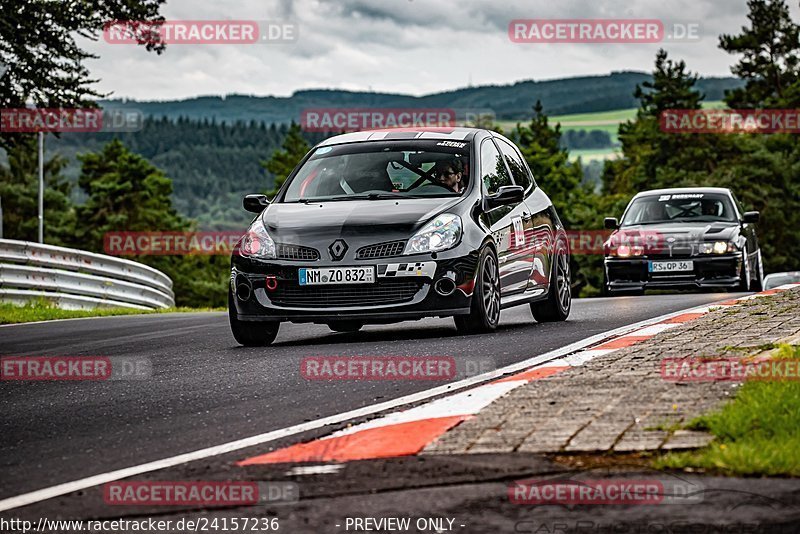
[403,290]
[632,274]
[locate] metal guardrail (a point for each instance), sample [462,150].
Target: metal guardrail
[76,279]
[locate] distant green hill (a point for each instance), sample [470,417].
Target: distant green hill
[584,94]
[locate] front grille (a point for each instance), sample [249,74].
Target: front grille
[296,253]
[289,294]
[381,250]
[682,253]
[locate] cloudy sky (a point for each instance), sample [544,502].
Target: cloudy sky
[403,46]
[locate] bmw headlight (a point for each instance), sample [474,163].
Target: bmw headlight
[626,251]
[717,247]
[441,233]
[256,243]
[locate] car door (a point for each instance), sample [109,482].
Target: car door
[748,230]
[537,219]
[505,222]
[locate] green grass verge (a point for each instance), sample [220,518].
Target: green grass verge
[756,434]
[587,120]
[11,314]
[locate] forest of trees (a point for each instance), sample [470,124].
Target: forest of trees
[579,139]
[212,165]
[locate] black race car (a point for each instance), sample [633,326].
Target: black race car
[683,238]
[387,226]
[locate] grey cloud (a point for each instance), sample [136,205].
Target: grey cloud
[411,46]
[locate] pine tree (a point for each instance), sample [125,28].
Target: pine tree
[39,44]
[766,173]
[125,193]
[285,159]
[770,63]
[653,158]
[19,194]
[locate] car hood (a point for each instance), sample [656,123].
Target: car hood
[682,231]
[379,219]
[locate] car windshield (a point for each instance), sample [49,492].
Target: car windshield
[679,207]
[382,170]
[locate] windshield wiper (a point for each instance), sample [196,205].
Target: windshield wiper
[302,201]
[372,196]
[644,223]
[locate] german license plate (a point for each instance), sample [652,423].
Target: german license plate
[671,266]
[337,275]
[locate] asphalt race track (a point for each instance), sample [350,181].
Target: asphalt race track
[206,390]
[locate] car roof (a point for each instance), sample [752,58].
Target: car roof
[679,190]
[455,133]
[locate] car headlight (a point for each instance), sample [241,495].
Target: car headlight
[717,247]
[441,233]
[626,251]
[256,243]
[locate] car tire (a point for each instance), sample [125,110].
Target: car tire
[345,326]
[559,297]
[251,334]
[744,276]
[757,281]
[485,306]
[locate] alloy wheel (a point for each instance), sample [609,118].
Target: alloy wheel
[491,290]
[563,281]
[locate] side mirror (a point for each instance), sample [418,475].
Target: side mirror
[255,203]
[751,217]
[611,223]
[507,194]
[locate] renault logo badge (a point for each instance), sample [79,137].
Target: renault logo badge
[337,249]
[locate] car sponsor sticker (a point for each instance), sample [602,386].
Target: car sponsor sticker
[424,268]
[519,231]
[452,144]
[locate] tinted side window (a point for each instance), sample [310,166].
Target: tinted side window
[518,170]
[493,170]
